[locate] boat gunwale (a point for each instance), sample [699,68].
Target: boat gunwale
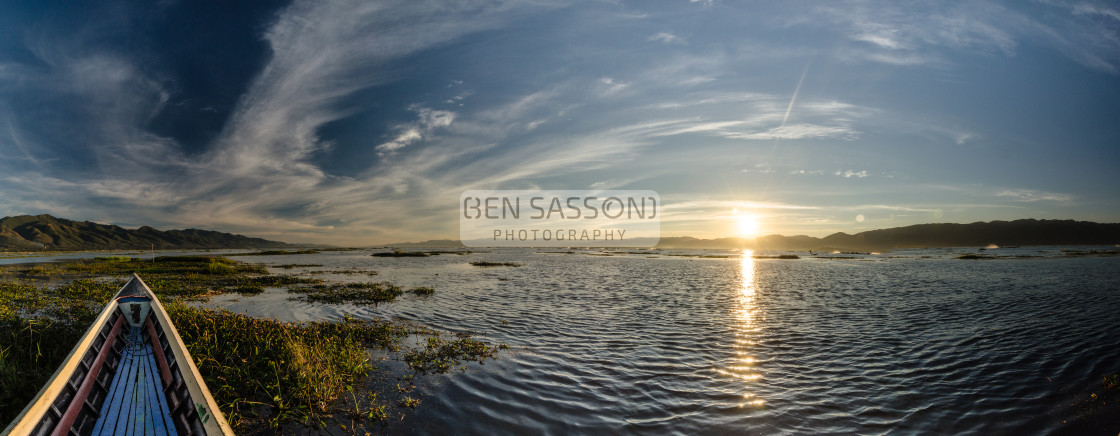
[214,423]
[50,391]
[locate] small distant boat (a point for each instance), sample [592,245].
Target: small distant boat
[129,374]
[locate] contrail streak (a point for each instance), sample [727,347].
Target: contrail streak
[795,92]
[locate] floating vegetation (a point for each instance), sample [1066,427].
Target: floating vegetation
[442,355]
[781,256]
[484,263]
[705,256]
[1091,252]
[975,256]
[297,265]
[299,371]
[266,375]
[399,253]
[1112,381]
[278,252]
[347,272]
[354,293]
[422,291]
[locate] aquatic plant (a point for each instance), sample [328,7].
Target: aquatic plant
[399,253]
[1112,381]
[422,291]
[277,252]
[31,350]
[484,263]
[442,355]
[355,293]
[263,373]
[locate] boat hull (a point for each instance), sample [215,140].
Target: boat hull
[86,393]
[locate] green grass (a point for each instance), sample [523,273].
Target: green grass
[265,374]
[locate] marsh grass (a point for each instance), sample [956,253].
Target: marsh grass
[30,352]
[298,370]
[265,374]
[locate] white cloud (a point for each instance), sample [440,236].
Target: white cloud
[849,174]
[429,120]
[886,39]
[1029,195]
[667,38]
[608,86]
[798,131]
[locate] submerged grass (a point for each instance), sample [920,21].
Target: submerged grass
[265,374]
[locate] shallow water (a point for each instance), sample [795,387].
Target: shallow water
[913,341]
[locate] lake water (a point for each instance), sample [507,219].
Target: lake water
[719,342]
[912,341]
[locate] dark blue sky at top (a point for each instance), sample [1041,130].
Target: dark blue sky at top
[363,121]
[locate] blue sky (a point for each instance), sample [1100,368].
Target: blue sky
[357,122]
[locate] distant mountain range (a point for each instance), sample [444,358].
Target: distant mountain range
[47,233]
[978,234]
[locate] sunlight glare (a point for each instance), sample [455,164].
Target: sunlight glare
[745,368]
[748,226]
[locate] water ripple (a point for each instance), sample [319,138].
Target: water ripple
[674,345]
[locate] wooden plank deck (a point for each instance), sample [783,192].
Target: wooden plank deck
[136,404]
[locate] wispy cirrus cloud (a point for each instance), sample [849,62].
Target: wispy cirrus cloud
[667,38]
[1030,195]
[357,126]
[429,120]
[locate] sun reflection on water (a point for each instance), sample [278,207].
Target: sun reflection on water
[746,329]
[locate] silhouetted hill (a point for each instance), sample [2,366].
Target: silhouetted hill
[1018,232]
[47,233]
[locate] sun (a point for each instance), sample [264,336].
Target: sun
[748,225]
